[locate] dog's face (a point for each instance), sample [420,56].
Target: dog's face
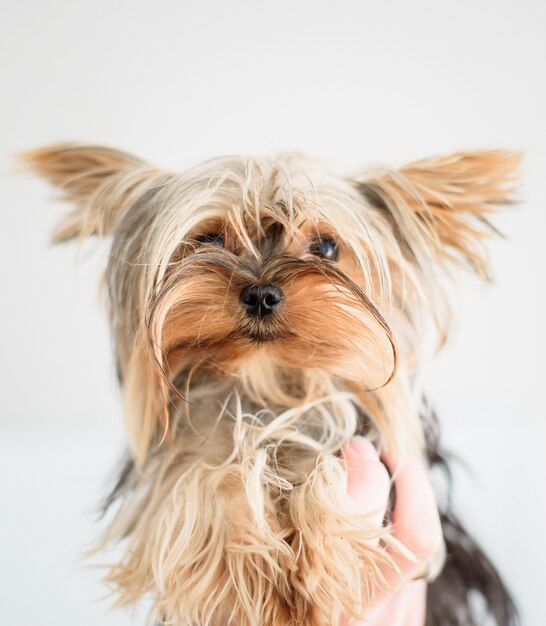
[274,271]
[260,277]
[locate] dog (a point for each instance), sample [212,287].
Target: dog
[263,311]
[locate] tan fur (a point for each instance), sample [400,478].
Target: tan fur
[239,513]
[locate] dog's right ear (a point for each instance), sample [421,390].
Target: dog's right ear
[102,182]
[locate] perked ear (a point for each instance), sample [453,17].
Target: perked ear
[440,206]
[102,182]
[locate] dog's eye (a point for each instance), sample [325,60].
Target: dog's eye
[215,239]
[325,248]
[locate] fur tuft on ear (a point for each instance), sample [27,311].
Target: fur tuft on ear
[102,182]
[441,205]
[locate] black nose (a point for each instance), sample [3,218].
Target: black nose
[261,301]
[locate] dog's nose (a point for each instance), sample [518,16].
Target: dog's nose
[261,301]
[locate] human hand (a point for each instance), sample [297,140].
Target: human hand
[416,525]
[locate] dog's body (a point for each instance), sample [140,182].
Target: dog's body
[263,311]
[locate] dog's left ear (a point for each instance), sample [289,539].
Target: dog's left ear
[103,183]
[440,206]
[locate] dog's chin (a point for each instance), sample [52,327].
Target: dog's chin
[263,331]
[262,336]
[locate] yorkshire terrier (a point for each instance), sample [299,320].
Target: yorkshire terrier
[264,310]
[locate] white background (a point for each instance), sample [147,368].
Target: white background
[177,82]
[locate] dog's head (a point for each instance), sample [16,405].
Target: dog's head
[277,272]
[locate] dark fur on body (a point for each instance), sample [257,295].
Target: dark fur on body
[469,590]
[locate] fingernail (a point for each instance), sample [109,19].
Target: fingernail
[364,448]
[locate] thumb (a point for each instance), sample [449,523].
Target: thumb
[368,481]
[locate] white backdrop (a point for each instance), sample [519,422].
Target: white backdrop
[177,82]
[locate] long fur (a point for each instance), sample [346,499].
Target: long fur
[468,591]
[235,510]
